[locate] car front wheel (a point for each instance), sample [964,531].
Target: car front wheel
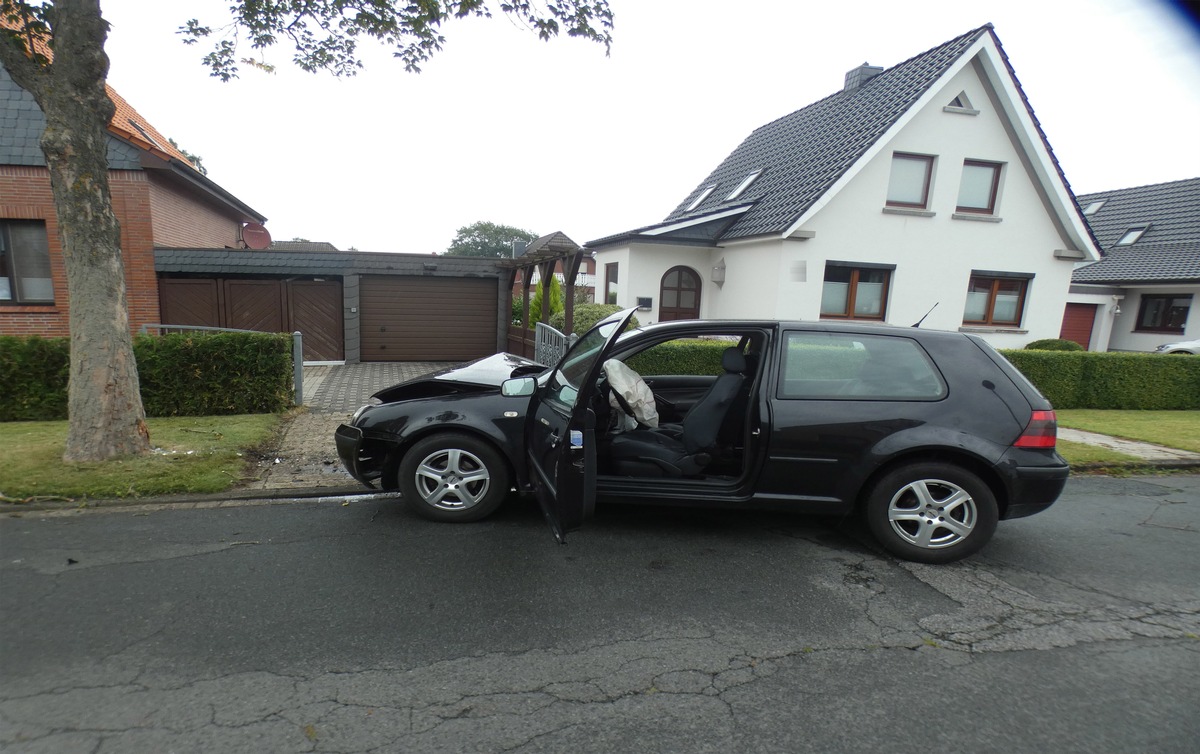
[931,512]
[453,477]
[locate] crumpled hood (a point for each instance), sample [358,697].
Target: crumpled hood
[485,373]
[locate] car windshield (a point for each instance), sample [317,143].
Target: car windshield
[567,380]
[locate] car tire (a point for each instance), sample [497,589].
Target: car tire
[931,512]
[453,477]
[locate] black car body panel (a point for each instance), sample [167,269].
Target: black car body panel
[800,440]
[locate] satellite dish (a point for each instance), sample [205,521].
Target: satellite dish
[255,236]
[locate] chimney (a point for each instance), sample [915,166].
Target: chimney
[856,77]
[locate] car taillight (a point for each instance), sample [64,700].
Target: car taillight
[1041,432]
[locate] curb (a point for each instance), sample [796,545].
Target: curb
[232,498]
[1147,466]
[229,496]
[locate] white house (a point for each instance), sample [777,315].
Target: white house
[926,190]
[1141,294]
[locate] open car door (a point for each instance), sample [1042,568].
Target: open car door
[560,431]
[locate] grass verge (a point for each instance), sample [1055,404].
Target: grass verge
[1078,454]
[1174,429]
[192,454]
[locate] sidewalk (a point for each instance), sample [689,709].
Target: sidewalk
[1143,450]
[305,460]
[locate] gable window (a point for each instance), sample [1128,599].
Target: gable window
[1132,235]
[1163,313]
[854,292]
[745,184]
[980,182]
[25,263]
[610,283]
[996,301]
[699,199]
[961,105]
[909,183]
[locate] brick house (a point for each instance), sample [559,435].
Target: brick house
[187,260]
[158,195]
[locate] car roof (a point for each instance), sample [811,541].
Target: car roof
[878,328]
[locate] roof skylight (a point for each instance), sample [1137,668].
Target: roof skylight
[745,184]
[1093,208]
[703,195]
[1132,235]
[145,135]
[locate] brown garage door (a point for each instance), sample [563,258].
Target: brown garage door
[1077,323]
[314,307]
[427,318]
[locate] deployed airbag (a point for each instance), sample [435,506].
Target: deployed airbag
[635,394]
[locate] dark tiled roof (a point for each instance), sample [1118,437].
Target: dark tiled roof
[1145,263]
[803,154]
[334,263]
[1171,209]
[1168,252]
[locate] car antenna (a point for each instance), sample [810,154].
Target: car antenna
[922,319]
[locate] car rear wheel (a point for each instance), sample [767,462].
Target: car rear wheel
[931,512]
[453,477]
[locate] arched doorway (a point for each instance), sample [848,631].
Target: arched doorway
[679,295]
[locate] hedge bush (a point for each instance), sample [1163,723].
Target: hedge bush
[1136,381]
[180,375]
[586,316]
[34,372]
[1053,344]
[1069,379]
[184,374]
[698,356]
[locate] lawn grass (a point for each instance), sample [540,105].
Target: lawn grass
[1078,453]
[192,454]
[1174,429]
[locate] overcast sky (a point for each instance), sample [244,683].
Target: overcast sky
[555,136]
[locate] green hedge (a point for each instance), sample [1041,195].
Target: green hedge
[585,317]
[180,375]
[1137,381]
[1069,379]
[1053,344]
[215,374]
[697,356]
[34,373]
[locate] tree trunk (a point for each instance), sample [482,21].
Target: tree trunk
[104,400]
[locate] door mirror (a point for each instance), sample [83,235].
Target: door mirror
[519,386]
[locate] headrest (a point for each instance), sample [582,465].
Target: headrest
[733,361]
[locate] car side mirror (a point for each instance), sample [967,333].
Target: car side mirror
[519,386]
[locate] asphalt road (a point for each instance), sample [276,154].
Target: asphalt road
[318,626]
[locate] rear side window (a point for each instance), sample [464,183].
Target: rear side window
[849,366]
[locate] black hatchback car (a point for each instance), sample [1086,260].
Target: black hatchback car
[932,436]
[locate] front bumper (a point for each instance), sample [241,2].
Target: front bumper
[357,455]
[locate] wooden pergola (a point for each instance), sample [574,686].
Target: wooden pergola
[543,255]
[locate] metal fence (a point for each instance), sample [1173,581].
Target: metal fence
[550,345]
